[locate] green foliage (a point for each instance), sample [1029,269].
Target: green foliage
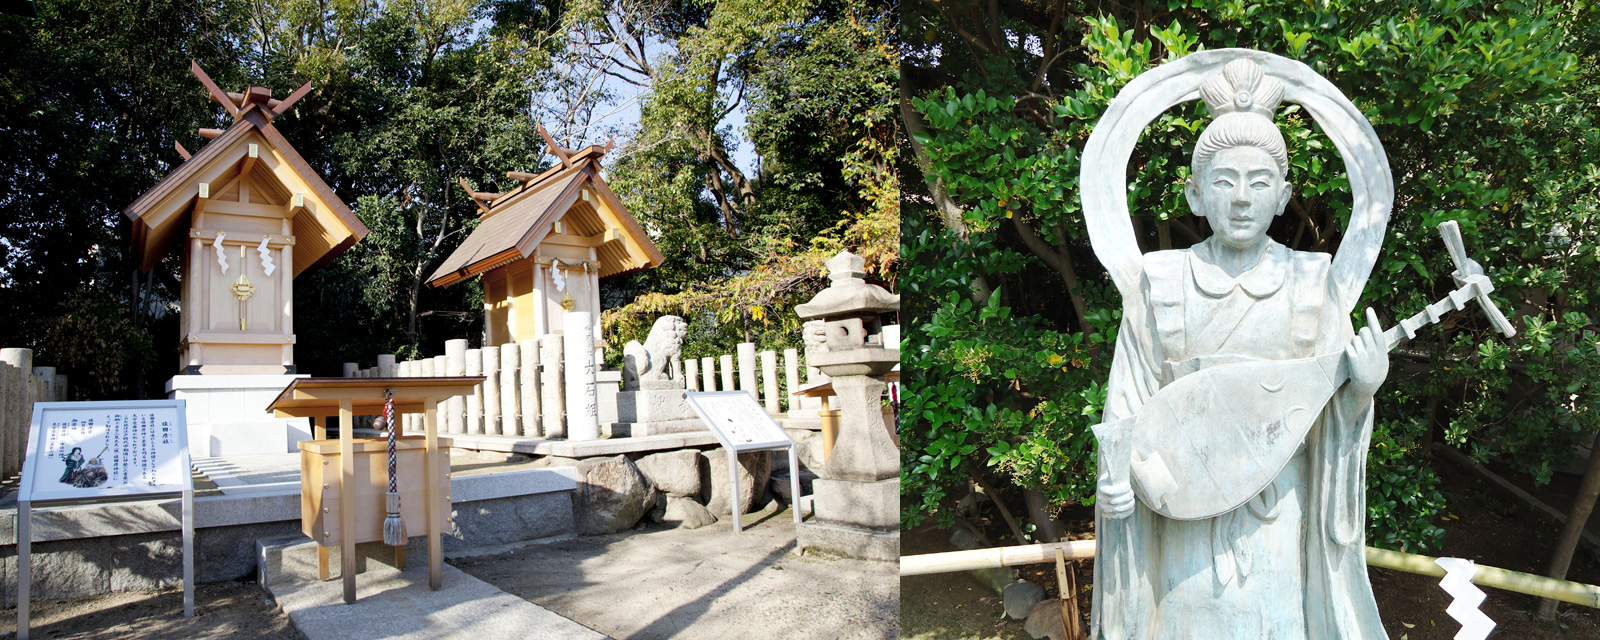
[410,96]
[815,82]
[92,95]
[1486,114]
[96,340]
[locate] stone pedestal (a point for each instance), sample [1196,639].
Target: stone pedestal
[653,405]
[654,411]
[865,505]
[854,519]
[608,383]
[864,451]
[226,414]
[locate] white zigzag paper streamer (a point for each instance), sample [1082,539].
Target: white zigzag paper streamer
[222,261]
[266,257]
[1457,582]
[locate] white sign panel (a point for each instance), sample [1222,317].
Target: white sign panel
[738,420]
[80,450]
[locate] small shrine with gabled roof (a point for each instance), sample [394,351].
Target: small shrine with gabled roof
[543,247]
[247,215]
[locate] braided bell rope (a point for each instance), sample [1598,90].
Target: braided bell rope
[388,421]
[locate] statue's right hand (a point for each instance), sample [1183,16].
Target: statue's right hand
[1115,500]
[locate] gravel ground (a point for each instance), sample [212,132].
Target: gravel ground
[222,610]
[655,582]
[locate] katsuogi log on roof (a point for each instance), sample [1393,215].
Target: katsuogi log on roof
[277,183]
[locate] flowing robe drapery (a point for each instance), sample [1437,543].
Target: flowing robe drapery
[1288,565]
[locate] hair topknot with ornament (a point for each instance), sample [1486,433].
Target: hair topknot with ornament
[1243,99]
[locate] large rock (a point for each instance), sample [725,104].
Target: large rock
[1019,598]
[675,473]
[811,455]
[995,578]
[1045,621]
[612,495]
[685,513]
[755,468]
[781,489]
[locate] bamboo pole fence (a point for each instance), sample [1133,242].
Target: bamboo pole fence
[1516,581]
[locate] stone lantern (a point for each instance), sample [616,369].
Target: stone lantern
[857,506]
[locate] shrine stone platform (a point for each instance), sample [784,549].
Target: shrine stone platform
[85,550]
[394,603]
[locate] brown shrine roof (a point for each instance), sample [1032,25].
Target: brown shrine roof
[516,223]
[160,216]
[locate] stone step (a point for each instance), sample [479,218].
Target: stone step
[399,605]
[293,559]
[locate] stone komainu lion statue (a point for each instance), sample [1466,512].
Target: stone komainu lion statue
[657,358]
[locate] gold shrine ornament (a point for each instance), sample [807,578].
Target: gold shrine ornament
[242,289]
[567,302]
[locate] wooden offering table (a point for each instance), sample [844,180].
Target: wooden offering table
[319,398]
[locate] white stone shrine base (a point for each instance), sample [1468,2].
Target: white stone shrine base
[396,605]
[227,414]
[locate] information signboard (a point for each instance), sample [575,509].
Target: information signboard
[738,420]
[742,425]
[88,450]
[103,451]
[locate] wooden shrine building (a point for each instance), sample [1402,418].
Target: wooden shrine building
[247,215]
[543,247]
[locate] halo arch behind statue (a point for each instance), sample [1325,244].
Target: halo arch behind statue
[1105,163]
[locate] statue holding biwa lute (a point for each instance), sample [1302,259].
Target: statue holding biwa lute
[1232,449]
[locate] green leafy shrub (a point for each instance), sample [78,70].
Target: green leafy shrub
[1486,114]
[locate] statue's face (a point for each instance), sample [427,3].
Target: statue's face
[1239,193]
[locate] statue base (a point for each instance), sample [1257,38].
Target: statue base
[653,405]
[630,429]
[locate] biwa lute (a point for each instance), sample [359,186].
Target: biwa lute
[1211,440]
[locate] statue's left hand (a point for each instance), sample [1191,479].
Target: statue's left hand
[1367,357]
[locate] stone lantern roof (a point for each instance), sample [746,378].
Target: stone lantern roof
[848,294]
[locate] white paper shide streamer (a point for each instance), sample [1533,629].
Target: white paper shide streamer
[222,260]
[1457,582]
[559,277]
[266,257]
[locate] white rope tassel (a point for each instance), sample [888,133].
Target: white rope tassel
[266,257]
[1457,582]
[222,260]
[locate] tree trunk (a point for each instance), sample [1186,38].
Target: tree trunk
[1045,528]
[1061,261]
[1000,505]
[1577,517]
[949,211]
